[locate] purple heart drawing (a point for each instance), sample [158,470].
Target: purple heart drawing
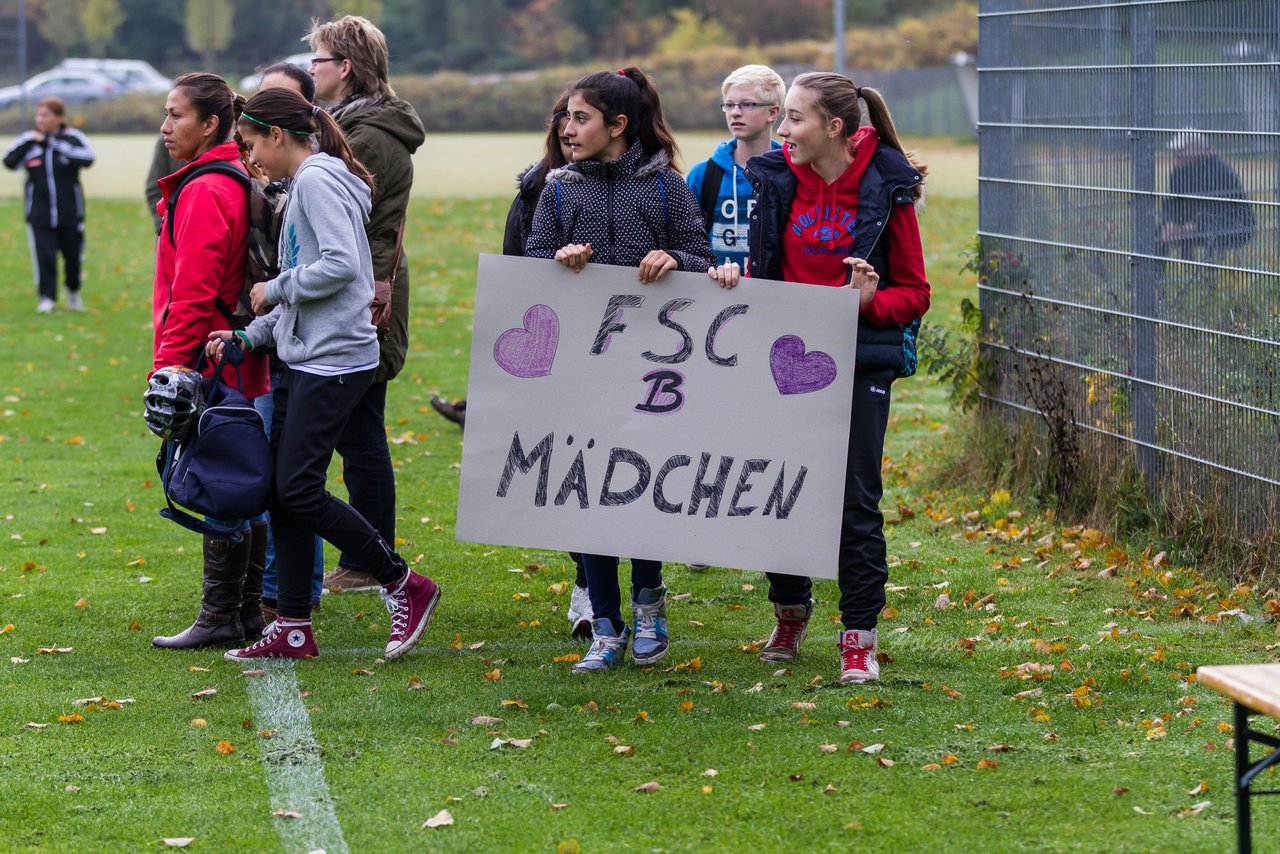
[529,351]
[798,372]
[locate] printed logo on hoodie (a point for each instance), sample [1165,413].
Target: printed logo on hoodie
[827,232]
[289,254]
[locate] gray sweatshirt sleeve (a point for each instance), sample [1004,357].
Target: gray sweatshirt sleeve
[262,331]
[326,209]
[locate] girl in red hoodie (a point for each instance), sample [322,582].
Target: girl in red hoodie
[836,207]
[200,272]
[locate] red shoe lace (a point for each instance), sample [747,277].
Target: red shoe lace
[854,657]
[787,633]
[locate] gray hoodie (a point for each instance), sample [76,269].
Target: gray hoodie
[322,295]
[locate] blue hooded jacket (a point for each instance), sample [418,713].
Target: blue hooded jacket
[729,226]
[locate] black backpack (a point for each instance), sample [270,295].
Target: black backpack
[711,178]
[224,469]
[266,204]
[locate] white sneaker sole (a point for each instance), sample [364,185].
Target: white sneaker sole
[857,678]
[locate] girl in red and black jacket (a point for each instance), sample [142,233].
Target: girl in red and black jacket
[199,275]
[836,207]
[621,202]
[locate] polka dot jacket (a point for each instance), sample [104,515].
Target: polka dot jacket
[624,209]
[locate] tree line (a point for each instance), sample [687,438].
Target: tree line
[234,36]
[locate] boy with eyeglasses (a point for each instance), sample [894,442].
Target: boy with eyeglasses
[751,98]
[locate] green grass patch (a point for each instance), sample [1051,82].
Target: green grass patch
[1106,754]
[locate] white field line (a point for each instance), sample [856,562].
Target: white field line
[292,765]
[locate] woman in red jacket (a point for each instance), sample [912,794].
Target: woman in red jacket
[200,272]
[835,206]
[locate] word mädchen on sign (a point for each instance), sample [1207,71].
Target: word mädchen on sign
[624,466]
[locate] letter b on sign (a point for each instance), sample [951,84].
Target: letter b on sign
[664,393]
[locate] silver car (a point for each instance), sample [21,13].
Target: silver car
[73,87]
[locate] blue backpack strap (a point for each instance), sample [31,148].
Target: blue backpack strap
[232,355]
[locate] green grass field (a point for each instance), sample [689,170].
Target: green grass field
[1039,706]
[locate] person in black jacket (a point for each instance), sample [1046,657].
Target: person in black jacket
[529,183]
[1193,222]
[621,202]
[53,155]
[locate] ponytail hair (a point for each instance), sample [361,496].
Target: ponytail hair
[629,92]
[837,97]
[210,96]
[298,117]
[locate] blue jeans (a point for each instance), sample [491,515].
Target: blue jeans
[602,584]
[266,406]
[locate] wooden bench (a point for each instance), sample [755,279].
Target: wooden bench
[1254,689]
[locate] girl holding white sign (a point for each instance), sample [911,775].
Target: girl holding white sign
[836,206]
[621,202]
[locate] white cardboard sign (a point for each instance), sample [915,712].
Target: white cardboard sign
[675,421]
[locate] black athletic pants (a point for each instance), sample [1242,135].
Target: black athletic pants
[862,571]
[311,414]
[46,244]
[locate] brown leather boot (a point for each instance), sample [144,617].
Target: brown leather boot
[218,623]
[251,619]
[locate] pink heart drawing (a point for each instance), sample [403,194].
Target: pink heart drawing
[798,372]
[529,351]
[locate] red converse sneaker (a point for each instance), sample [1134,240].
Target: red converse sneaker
[411,602]
[858,656]
[789,633]
[281,639]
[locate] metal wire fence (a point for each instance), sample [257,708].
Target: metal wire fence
[1129,210]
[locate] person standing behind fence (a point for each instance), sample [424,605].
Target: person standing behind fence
[621,202]
[200,272]
[53,155]
[350,69]
[835,207]
[1192,219]
[319,322]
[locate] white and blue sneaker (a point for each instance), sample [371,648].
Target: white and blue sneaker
[649,614]
[608,647]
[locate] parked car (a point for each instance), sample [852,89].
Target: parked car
[302,60]
[133,75]
[73,87]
